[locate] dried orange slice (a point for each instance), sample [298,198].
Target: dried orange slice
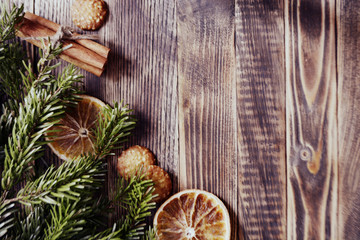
[74,132]
[192,214]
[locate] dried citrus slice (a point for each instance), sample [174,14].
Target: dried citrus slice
[192,214]
[74,132]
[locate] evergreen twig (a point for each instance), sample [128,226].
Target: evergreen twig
[32,226]
[11,54]
[40,111]
[135,196]
[9,21]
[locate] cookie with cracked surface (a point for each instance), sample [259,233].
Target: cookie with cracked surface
[89,14]
[162,182]
[132,159]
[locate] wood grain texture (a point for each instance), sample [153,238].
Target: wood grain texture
[348,53]
[206,71]
[252,100]
[142,70]
[311,94]
[261,119]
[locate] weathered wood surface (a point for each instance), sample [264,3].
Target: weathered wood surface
[207,116]
[261,119]
[312,169]
[348,62]
[254,101]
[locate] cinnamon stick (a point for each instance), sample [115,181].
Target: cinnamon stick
[78,55]
[94,46]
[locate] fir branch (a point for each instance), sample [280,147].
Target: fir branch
[80,177]
[11,66]
[113,126]
[150,234]
[61,202]
[11,54]
[67,220]
[135,197]
[9,21]
[40,111]
[32,226]
[7,218]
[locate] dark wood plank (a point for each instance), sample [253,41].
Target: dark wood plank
[311,119]
[207,103]
[261,119]
[348,52]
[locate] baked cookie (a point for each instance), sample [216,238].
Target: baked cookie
[89,14]
[132,159]
[162,182]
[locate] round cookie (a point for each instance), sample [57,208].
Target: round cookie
[132,159]
[89,14]
[162,182]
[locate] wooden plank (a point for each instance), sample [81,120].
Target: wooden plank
[311,119]
[348,52]
[142,70]
[261,119]
[206,74]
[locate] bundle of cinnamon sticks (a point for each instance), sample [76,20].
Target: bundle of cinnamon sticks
[83,53]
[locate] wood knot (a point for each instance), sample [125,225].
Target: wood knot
[305,154]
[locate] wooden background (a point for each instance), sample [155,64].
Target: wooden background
[256,101]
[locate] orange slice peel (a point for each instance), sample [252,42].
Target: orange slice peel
[192,215]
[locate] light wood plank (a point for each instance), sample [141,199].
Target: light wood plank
[348,52]
[261,119]
[142,70]
[311,119]
[207,103]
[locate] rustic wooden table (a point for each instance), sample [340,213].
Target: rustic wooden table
[255,101]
